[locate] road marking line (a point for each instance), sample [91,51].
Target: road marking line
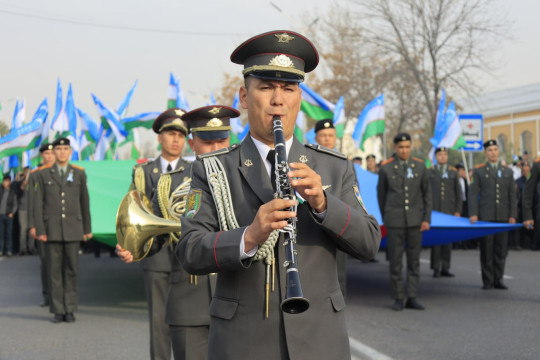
[363,351]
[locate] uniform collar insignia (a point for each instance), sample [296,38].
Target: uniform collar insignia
[324,187]
[248,163]
[303,159]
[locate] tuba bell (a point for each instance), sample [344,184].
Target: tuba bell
[136,225]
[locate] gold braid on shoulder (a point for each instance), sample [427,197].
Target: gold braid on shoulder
[138,180]
[163,190]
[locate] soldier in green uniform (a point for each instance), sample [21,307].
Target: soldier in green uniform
[446,198]
[47,158]
[492,197]
[62,221]
[225,228]
[528,196]
[404,196]
[172,134]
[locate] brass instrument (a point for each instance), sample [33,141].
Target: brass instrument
[136,225]
[177,200]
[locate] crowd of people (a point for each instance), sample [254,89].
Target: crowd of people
[216,288]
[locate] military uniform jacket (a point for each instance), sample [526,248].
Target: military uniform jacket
[62,205]
[238,329]
[160,261]
[529,191]
[404,196]
[492,193]
[187,302]
[446,190]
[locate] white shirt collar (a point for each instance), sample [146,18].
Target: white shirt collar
[164,164]
[263,150]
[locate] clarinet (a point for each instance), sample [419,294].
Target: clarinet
[294,302]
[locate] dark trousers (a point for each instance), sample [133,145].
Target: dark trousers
[43,270]
[493,251]
[156,286]
[441,256]
[400,240]
[189,342]
[62,262]
[6,236]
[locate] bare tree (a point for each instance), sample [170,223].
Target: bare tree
[441,42]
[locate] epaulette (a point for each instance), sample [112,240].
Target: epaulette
[387,161]
[45,167]
[140,164]
[77,167]
[452,168]
[480,165]
[218,152]
[417,159]
[326,150]
[537,160]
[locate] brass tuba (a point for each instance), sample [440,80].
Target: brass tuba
[136,225]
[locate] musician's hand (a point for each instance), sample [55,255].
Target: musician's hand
[529,224]
[42,238]
[32,233]
[473,219]
[309,185]
[269,217]
[124,254]
[87,236]
[424,226]
[511,220]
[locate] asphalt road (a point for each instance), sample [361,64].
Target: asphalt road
[461,321]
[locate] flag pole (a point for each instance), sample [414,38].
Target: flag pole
[465,165]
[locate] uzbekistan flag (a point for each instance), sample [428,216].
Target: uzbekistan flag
[145,120]
[314,105]
[370,122]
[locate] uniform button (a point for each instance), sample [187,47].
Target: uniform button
[63,201]
[406,201]
[406,188]
[63,215]
[442,192]
[497,201]
[63,193]
[497,185]
[63,209]
[406,208]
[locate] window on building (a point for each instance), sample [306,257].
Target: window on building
[526,142]
[502,141]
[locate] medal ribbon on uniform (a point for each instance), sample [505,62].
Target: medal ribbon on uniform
[410,174]
[70,176]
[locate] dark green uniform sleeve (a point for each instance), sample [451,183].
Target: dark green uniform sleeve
[529,191]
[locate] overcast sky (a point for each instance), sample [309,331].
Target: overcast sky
[102,47]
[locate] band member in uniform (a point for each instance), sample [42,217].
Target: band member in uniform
[528,196]
[492,197]
[62,220]
[47,158]
[446,198]
[404,196]
[189,296]
[226,229]
[172,134]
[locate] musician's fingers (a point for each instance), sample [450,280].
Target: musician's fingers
[277,204]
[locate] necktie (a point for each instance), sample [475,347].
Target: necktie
[272,158]
[61,173]
[169,168]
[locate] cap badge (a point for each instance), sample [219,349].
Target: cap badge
[179,112]
[284,38]
[326,124]
[215,122]
[303,159]
[403,138]
[248,163]
[281,61]
[214,111]
[61,142]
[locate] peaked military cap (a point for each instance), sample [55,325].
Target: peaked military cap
[170,119]
[402,137]
[490,143]
[324,124]
[371,156]
[277,55]
[210,122]
[6,176]
[61,141]
[442,148]
[45,147]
